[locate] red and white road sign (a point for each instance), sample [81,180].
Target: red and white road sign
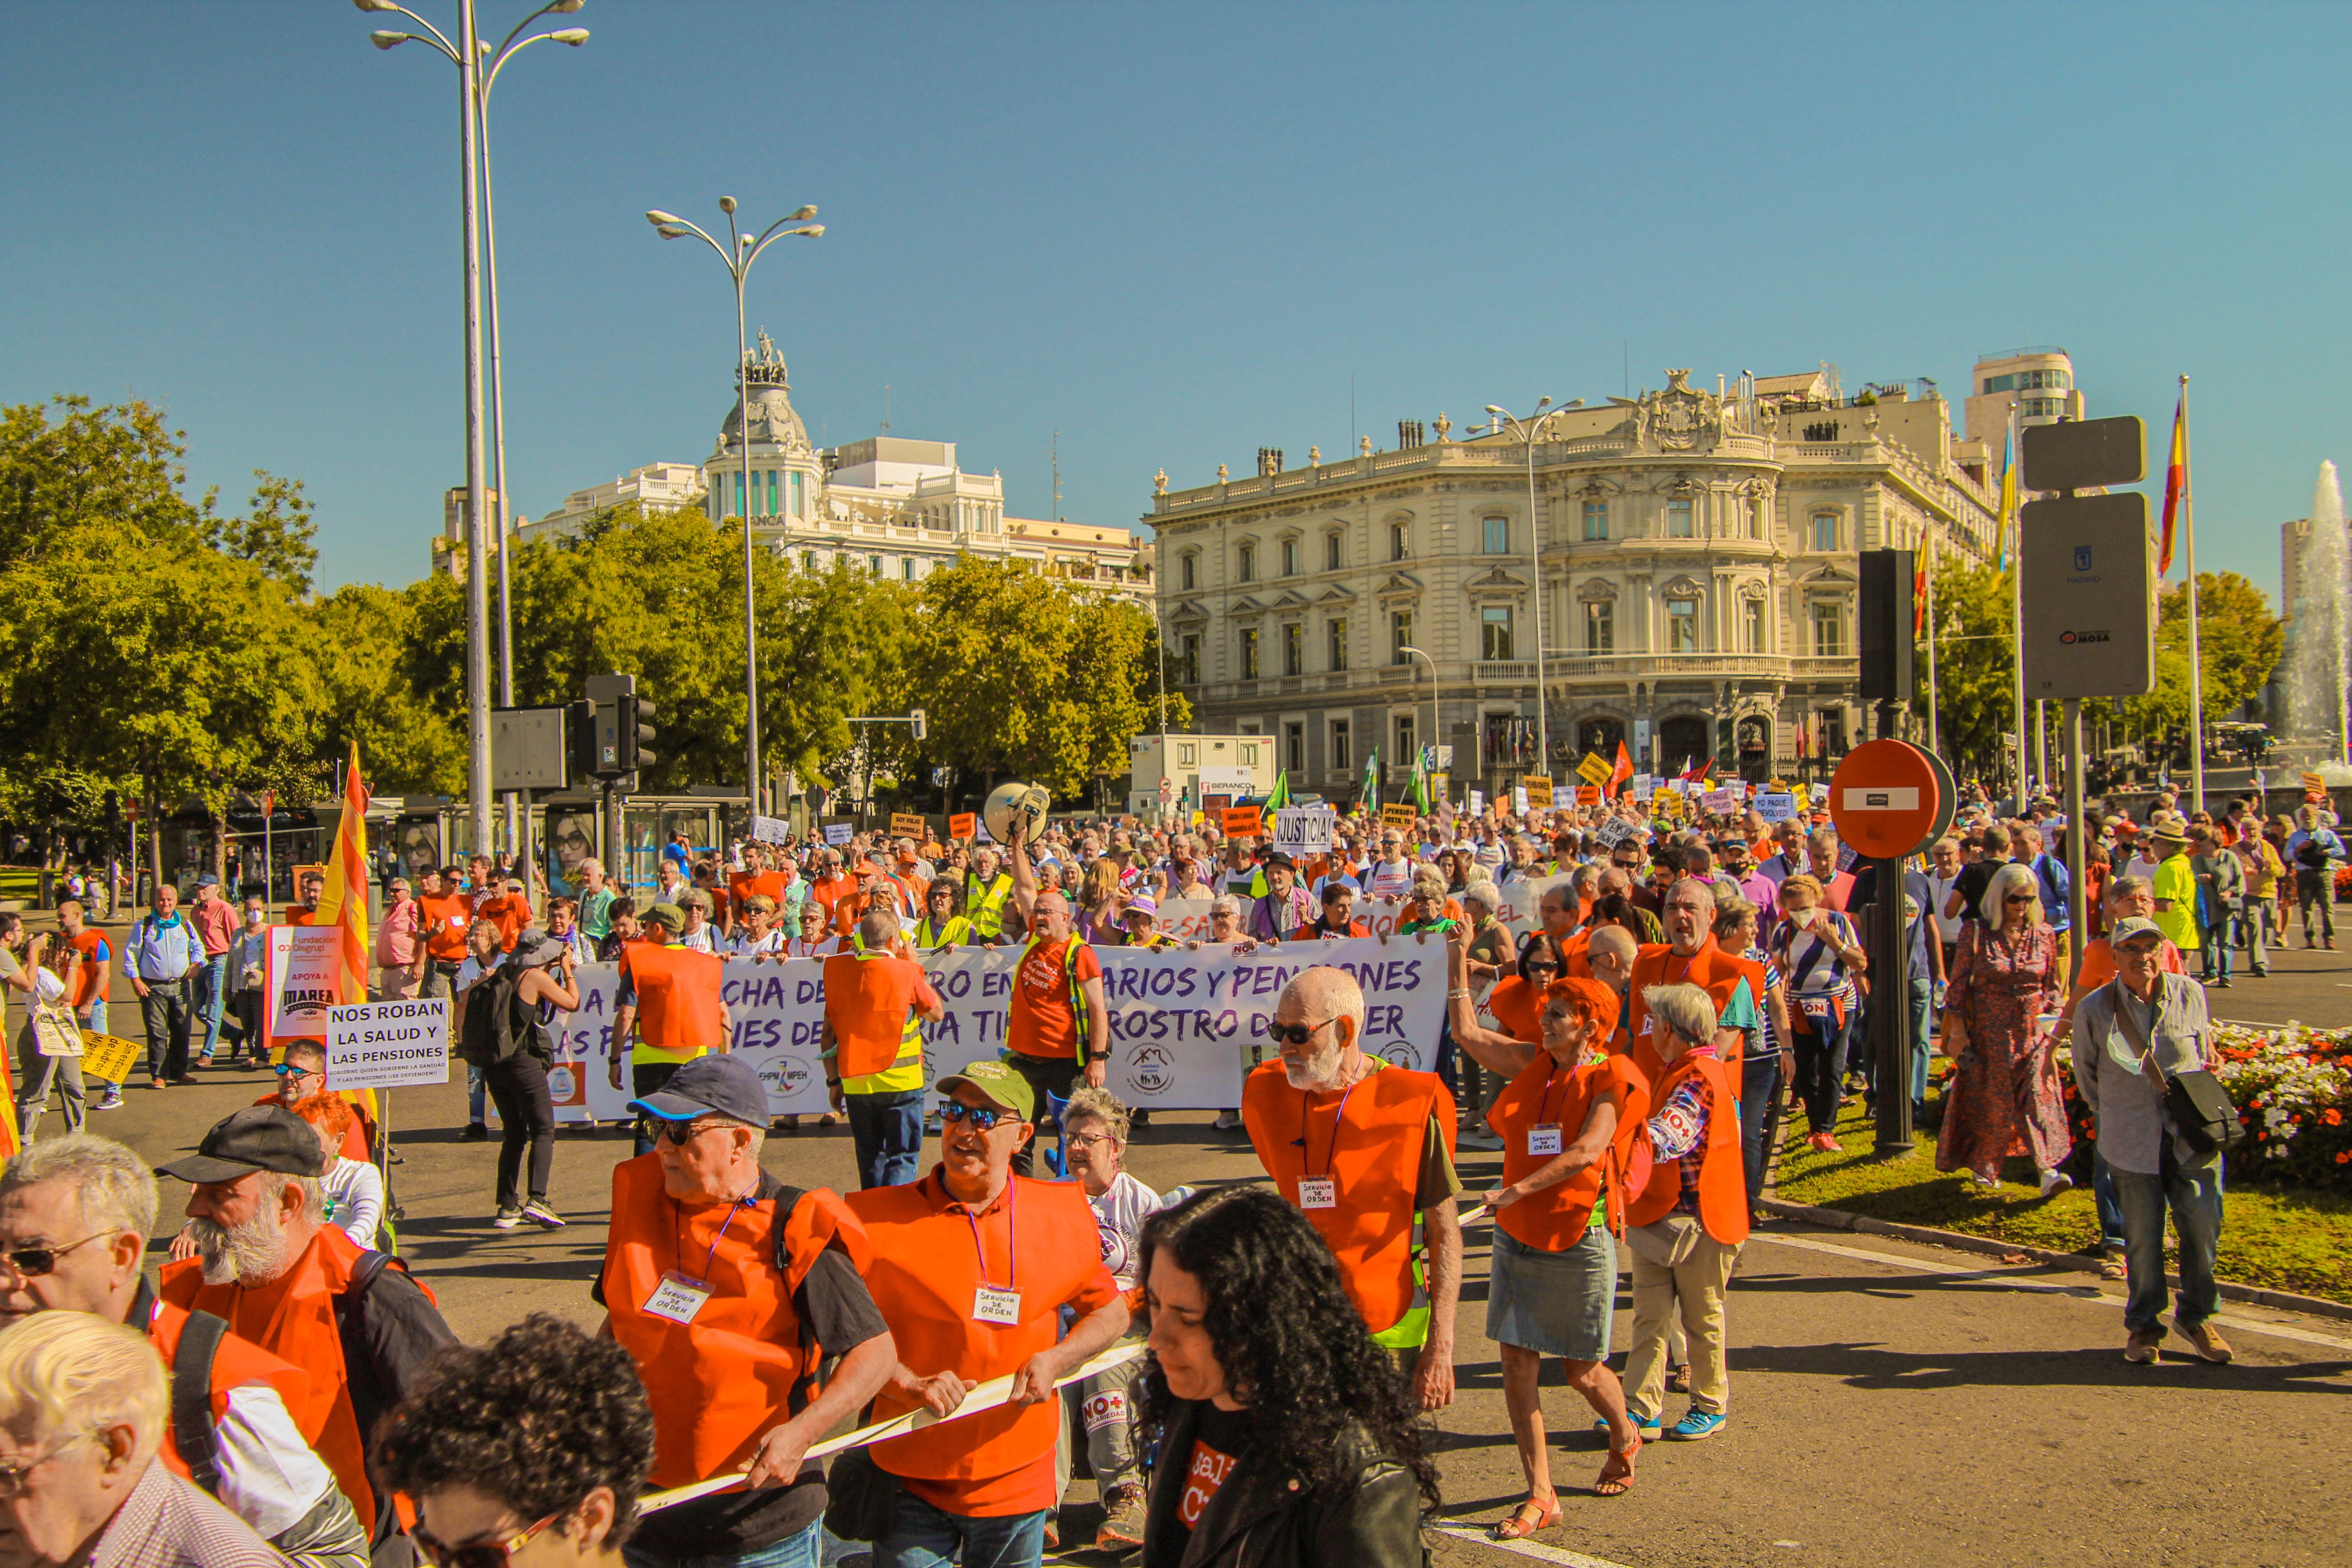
[1884,799]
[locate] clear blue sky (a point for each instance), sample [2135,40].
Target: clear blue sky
[1172,233]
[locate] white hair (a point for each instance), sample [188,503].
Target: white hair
[75,1372]
[1993,906]
[1687,1010]
[113,1187]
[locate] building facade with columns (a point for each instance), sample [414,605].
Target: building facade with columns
[887,506]
[1695,596]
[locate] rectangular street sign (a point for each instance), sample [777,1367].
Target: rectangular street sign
[2088,594]
[2081,454]
[527,749]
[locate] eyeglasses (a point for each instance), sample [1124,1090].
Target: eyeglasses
[681,1132]
[1297,1034]
[13,1477]
[984,1117]
[32,1262]
[1088,1140]
[477,1553]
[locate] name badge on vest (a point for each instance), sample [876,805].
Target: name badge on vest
[1319,1191]
[996,1304]
[676,1298]
[1544,1137]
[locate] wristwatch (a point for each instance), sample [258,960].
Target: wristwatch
[1098,1056]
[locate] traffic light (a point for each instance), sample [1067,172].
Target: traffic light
[922,726]
[605,695]
[579,740]
[636,733]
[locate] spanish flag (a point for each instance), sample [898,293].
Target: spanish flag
[2175,481]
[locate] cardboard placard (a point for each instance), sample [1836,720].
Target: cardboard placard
[1305,829]
[1613,832]
[109,1057]
[963,824]
[388,1045]
[1721,801]
[2314,784]
[908,825]
[839,833]
[1593,769]
[1478,802]
[1538,793]
[1400,815]
[770,830]
[1777,807]
[1519,799]
[1588,795]
[1238,821]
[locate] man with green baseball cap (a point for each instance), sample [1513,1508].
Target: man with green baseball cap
[999,1084]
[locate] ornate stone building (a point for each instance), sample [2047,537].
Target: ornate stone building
[1697,595]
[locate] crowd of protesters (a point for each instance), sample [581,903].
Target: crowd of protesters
[1244,1368]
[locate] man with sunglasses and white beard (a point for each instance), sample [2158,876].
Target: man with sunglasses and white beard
[1365,1150]
[75,1216]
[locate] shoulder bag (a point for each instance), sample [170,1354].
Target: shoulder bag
[2194,1101]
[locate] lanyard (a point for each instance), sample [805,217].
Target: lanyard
[1011,1241]
[1331,1151]
[710,1257]
[1543,1100]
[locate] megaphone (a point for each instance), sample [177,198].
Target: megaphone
[1009,803]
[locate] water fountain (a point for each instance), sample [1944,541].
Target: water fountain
[2315,680]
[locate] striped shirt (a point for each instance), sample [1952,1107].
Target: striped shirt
[1678,1131]
[166,1523]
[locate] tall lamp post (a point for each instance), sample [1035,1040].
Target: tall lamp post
[474,81]
[1526,431]
[737,257]
[1432,691]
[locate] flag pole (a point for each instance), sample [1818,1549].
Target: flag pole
[1931,640]
[2016,600]
[2196,670]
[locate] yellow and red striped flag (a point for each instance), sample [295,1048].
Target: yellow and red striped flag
[2176,482]
[344,903]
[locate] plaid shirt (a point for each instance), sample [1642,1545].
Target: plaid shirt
[1678,1131]
[166,1523]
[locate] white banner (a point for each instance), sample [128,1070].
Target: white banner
[770,830]
[388,1045]
[1185,1024]
[302,967]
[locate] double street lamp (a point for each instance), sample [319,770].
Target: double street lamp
[737,256]
[1525,431]
[477,71]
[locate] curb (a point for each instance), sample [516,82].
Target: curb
[1838,1219]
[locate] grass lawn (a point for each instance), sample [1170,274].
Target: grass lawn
[2281,1240]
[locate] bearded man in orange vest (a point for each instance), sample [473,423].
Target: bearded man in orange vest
[873,1048]
[966,1302]
[666,1009]
[1057,1029]
[1365,1150]
[728,1287]
[269,1267]
[1687,1226]
[1689,956]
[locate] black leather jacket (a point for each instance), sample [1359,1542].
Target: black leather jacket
[1259,1520]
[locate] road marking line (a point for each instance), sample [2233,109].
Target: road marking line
[1476,1536]
[2044,1287]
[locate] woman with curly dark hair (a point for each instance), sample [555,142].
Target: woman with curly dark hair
[525,1453]
[1286,1438]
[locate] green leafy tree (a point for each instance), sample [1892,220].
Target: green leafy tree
[277,534]
[68,464]
[1976,666]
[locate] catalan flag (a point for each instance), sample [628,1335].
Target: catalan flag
[1919,590]
[2175,481]
[2008,493]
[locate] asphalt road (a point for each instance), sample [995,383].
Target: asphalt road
[1890,1402]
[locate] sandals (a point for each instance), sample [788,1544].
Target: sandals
[1617,1476]
[1518,1525]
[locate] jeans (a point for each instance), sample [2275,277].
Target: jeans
[208,983]
[2111,1212]
[1055,1075]
[644,1079]
[35,1075]
[526,1119]
[1759,1117]
[474,1096]
[2255,924]
[1819,1058]
[798,1550]
[2216,950]
[164,1010]
[2193,1193]
[93,1022]
[887,1130]
[923,1536]
[2316,888]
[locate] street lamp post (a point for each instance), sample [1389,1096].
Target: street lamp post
[1527,431]
[1433,693]
[473,87]
[738,256]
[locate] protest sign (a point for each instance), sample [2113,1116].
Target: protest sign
[1519,799]
[770,830]
[839,833]
[302,976]
[1478,799]
[962,824]
[1721,801]
[1539,793]
[1399,816]
[1588,795]
[1820,793]
[1777,807]
[1592,770]
[1644,785]
[109,1057]
[1239,821]
[1612,833]
[388,1045]
[906,825]
[1305,829]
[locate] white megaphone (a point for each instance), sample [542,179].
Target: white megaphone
[1009,803]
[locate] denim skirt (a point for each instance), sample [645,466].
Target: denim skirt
[1554,1303]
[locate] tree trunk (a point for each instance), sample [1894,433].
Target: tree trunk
[154,832]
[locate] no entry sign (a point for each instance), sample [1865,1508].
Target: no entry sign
[1885,801]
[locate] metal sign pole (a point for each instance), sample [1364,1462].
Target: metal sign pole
[1890,1017]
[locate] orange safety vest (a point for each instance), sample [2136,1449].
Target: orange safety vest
[1519,1007]
[1376,1157]
[867,997]
[923,1274]
[1711,969]
[235,1365]
[1554,1219]
[718,1385]
[293,1317]
[677,996]
[445,918]
[1722,1178]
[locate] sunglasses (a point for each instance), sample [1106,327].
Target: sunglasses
[479,1554]
[32,1262]
[984,1117]
[287,1069]
[1542,966]
[1296,1034]
[681,1132]
[2019,899]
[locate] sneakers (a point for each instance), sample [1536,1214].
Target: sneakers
[1824,1141]
[1650,1429]
[1699,1423]
[474,1132]
[2206,1339]
[1227,1120]
[507,1219]
[111,1101]
[539,1214]
[2140,1349]
[1053,1529]
[1122,1526]
[2055,1182]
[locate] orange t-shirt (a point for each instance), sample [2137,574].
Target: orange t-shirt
[507,913]
[2098,964]
[1045,1019]
[831,890]
[743,884]
[446,919]
[297,915]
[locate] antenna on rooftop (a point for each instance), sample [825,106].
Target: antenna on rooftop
[886,408]
[1057,475]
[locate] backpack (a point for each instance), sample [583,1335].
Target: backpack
[2312,855]
[499,1022]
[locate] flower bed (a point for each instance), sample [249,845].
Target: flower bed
[2293,1088]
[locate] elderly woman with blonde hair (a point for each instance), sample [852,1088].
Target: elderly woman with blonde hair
[2005,1100]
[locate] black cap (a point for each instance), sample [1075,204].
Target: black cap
[259,1138]
[725,1084]
[1281,857]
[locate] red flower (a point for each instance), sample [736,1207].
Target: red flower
[2343,1156]
[2333,1117]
